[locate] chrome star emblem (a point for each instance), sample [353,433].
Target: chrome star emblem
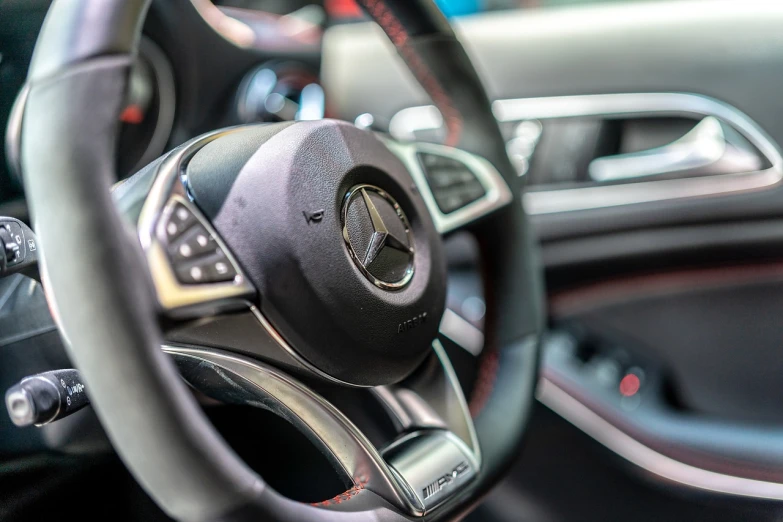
[386,269]
[381,237]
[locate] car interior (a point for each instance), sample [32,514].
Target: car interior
[391,260]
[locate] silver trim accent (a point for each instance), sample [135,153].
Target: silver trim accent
[296,356]
[436,464]
[27,415]
[308,411]
[238,379]
[407,408]
[702,149]
[568,200]
[432,398]
[497,192]
[56,391]
[646,458]
[173,296]
[408,121]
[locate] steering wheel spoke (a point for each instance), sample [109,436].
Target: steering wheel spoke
[433,458]
[236,379]
[458,187]
[431,398]
[438,453]
[193,270]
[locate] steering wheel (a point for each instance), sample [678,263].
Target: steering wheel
[298,253]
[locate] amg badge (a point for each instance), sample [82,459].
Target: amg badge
[446,480]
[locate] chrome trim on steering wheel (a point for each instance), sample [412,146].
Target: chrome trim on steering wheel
[434,463]
[173,296]
[293,354]
[431,398]
[237,379]
[497,194]
[246,381]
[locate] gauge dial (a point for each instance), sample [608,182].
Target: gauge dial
[147,118]
[148,115]
[280,91]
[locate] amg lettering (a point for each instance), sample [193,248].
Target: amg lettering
[446,480]
[410,324]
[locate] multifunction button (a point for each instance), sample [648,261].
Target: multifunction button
[192,250]
[453,184]
[18,248]
[12,240]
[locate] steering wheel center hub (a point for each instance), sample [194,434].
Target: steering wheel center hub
[328,225]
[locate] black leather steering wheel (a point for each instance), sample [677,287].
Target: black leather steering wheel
[287,208]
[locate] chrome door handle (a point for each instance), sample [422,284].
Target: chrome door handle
[705,149]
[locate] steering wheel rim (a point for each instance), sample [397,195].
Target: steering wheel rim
[84,54]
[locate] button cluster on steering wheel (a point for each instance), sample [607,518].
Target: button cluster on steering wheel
[192,250]
[454,185]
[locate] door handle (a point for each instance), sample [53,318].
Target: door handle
[709,148]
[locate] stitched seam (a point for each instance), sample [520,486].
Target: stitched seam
[399,37]
[345,495]
[485,382]
[489,361]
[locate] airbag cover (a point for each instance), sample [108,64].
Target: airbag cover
[284,216]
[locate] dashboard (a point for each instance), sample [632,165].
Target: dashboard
[178,89]
[147,117]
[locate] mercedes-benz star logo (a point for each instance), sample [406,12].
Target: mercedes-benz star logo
[378,236]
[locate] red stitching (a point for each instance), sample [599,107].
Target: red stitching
[345,495]
[489,361]
[485,381]
[399,37]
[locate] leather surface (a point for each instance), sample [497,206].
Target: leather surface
[152,420]
[105,28]
[416,17]
[312,291]
[167,442]
[213,170]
